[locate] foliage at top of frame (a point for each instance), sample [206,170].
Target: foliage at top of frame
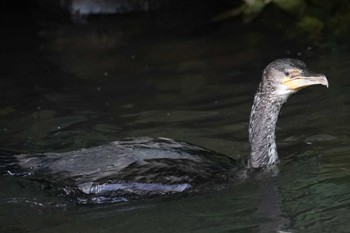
[312,20]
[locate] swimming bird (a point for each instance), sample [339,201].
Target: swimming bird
[146,167]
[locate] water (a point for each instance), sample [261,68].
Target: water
[70,86]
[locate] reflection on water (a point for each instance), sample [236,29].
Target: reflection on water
[73,86]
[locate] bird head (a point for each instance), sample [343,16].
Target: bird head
[283,77]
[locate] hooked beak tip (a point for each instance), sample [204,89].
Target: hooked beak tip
[324,81]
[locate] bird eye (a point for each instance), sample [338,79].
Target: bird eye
[286,72]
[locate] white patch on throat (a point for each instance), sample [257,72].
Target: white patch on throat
[282,90]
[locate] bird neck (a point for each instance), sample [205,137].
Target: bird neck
[262,125]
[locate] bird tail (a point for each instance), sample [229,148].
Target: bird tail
[8,163]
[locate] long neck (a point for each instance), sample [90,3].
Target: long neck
[262,125]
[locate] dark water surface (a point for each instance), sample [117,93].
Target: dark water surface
[68,86]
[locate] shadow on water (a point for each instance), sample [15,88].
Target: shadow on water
[69,86]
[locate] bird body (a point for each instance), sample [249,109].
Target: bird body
[132,168]
[146,167]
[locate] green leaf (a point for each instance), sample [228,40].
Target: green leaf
[312,25]
[288,5]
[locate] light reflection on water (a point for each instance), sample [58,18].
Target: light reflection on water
[115,84]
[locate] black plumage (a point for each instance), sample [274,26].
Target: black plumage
[146,167]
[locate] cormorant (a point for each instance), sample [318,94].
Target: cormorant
[146,167]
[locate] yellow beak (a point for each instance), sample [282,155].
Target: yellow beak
[305,79]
